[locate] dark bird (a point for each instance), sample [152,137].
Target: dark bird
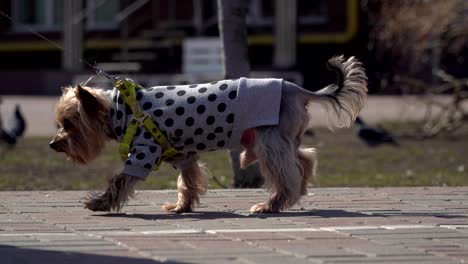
[17,129]
[374,136]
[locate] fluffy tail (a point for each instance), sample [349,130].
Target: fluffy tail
[347,97]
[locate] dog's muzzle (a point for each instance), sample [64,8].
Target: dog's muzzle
[55,145]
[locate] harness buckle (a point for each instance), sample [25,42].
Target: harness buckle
[140,117]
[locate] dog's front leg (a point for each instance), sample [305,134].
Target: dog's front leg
[192,183]
[118,191]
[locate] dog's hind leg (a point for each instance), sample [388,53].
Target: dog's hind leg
[192,183]
[248,156]
[308,162]
[279,165]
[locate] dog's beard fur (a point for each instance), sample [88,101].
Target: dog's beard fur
[82,115]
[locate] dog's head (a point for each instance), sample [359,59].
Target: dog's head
[84,124]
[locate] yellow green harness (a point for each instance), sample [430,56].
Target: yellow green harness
[128,89]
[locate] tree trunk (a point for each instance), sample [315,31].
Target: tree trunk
[72,36]
[285,33]
[233,34]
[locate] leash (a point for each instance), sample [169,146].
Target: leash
[96,69]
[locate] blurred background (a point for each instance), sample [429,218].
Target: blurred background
[412,131]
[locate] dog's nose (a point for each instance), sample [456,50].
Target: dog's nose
[53,145]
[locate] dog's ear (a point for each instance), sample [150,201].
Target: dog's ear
[89,102]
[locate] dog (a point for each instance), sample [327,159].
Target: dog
[265,117]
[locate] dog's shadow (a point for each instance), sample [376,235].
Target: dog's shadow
[211,215]
[319,213]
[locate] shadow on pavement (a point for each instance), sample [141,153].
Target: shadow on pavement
[325,213]
[15,255]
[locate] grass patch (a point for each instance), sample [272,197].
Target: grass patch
[343,161]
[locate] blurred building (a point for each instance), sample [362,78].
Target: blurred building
[146,37]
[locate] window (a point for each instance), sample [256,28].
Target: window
[103,15]
[312,12]
[47,15]
[37,14]
[309,12]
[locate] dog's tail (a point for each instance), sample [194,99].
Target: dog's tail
[347,97]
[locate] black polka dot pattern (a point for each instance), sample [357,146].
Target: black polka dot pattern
[202,90]
[189,121]
[179,133]
[169,122]
[140,156]
[181,93]
[147,105]
[147,135]
[198,131]
[194,118]
[223,87]
[210,120]
[201,109]
[191,99]
[201,146]
[153,149]
[212,97]
[232,95]
[119,115]
[222,107]
[189,141]
[138,132]
[118,131]
[180,111]
[128,110]
[230,118]
[158,112]
[139,95]
[169,102]
[179,149]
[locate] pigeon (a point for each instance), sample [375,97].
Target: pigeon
[374,136]
[17,129]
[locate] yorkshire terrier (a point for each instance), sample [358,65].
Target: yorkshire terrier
[265,117]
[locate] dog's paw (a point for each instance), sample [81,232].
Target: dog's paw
[97,204]
[261,208]
[176,208]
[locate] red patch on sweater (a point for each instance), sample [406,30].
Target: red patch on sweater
[248,138]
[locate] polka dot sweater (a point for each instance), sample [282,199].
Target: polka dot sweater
[196,118]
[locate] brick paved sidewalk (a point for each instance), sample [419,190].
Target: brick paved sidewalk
[332,225]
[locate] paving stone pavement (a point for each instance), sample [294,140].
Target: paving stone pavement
[331,225]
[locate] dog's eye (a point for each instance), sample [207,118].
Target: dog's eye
[67,125]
